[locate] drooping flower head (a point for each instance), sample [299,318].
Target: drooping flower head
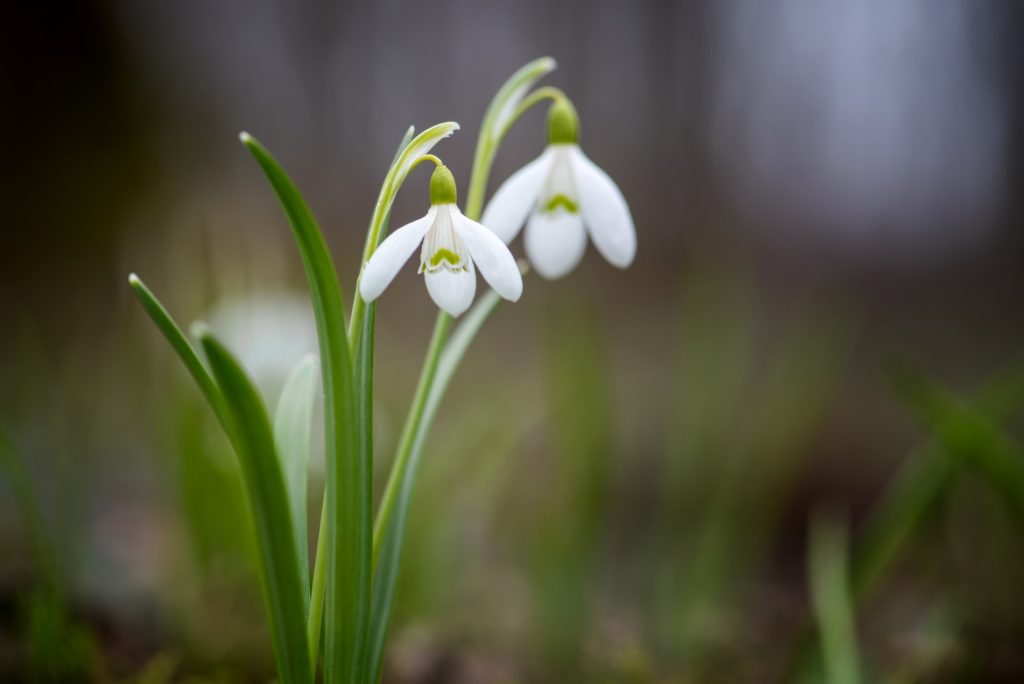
[453,247]
[561,197]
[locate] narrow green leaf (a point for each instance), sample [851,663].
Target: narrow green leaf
[268,504]
[363,371]
[389,529]
[971,434]
[348,523]
[293,422]
[831,597]
[173,334]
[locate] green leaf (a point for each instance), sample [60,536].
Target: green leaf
[348,520]
[268,504]
[831,597]
[389,529]
[173,334]
[293,422]
[363,372]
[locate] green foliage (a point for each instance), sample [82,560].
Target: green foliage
[293,422]
[831,598]
[348,492]
[269,507]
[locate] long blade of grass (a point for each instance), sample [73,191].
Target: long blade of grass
[389,530]
[363,378]
[293,422]
[920,483]
[971,434]
[909,496]
[31,514]
[830,595]
[186,352]
[348,526]
[268,504]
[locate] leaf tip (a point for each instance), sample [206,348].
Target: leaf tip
[133,280]
[245,138]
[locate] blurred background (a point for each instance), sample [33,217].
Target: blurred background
[823,323]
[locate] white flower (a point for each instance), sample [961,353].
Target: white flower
[561,196]
[453,246]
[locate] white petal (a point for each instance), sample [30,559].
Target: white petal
[555,242]
[517,197]
[452,292]
[605,211]
[491,256]
[389,256]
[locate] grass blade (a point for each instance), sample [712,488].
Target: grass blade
[363,379]
[830,595]
[268,504]
[293,422]
[25,494]
[970,434]
[348,522]
[186,352]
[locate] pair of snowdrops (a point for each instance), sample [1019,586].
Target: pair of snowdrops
[561,197]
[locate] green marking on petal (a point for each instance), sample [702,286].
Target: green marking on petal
[561,200]
[444,255]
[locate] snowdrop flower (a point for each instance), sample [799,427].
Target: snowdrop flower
[453,246]
[561,196]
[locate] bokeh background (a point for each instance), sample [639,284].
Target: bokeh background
[823,323]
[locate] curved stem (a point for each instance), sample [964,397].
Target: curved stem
[487,148]
[536,97]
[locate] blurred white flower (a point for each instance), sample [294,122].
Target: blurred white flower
[270,333]
[560,196]
[452,244]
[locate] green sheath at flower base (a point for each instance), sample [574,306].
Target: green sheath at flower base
[442,186]
[563,123]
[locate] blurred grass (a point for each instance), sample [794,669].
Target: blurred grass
[573,529]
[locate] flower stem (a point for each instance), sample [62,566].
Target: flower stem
[487,147]
[316,603]
[410,430]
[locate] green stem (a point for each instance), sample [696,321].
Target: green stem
[410,430]
[316,602]
[487,148]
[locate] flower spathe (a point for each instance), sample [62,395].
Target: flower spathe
[453,247]
[561,197]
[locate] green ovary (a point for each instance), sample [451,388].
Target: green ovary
[562,201]
[444,255]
